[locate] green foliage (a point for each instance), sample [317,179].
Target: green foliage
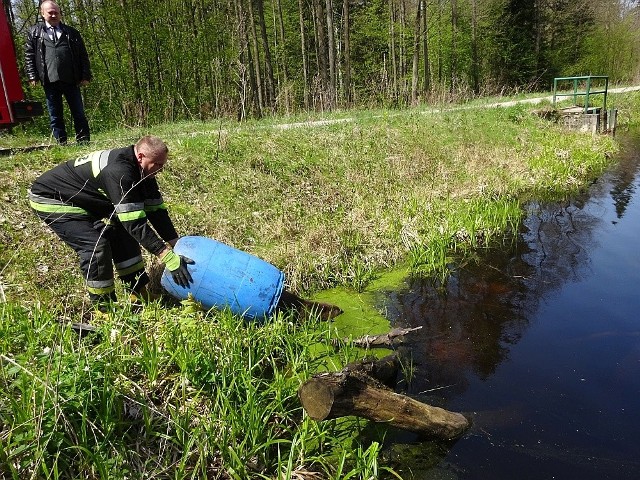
[185,397]
[370,45]
[601,55]
[205,59]
[176,393]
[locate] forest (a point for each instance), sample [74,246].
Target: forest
[177,60]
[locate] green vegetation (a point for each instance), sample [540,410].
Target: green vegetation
[162,394]
[179,393]
[198,60]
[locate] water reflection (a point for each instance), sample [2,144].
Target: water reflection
[473,326]
[487,303]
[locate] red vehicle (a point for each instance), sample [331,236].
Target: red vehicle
[13,106]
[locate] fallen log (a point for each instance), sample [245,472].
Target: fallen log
[384,370]
[352,392]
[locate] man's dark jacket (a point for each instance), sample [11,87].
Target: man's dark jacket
[34,53]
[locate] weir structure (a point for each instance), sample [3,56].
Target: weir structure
[585,117]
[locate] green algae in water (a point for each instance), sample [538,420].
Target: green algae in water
[420,461]
[360,316]
[417,461]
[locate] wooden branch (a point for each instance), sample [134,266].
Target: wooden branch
[353,392]
[390,339]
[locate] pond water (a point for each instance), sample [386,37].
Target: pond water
[538,342]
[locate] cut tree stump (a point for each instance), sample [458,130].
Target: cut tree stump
[352,392]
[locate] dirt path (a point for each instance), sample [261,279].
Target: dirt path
[550,98]
[510,103]
[320,123]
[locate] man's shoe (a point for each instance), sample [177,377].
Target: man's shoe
[144,295]
[83,329]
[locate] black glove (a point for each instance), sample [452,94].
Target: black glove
[182,276]
[177,265]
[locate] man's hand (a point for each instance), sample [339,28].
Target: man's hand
[177,265]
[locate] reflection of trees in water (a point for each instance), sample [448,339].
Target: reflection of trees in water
[624,175]
[622,198]
[486,305]
[559,238]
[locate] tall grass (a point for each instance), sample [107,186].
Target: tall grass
[174,393]
[460,228]
[162,394]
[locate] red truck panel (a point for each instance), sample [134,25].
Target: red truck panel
[12,105]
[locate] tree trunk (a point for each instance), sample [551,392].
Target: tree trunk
[440,53]
[133,62]
[392,49]
[268,65]
[538,39]
[321,50]
[475,67]
[425,49]
[244,70]
[347,51]
[331,57]
[416,55]
[255,57]
[155,64]
[454,45]
[353,392]
[305,55]
[280,57]
[402,65]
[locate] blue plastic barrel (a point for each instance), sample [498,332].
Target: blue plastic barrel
[227,277]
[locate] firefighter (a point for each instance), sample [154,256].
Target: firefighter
[105,205]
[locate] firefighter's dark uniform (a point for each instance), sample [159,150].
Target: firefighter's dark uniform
[77,198]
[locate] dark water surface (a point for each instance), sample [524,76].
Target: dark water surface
[539,342]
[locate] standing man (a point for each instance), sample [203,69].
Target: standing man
[106,204]
[56,56]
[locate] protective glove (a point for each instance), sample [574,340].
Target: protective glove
[177,266]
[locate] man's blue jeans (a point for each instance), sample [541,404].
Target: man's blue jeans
[54,93]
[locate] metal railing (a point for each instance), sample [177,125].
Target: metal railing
[586,93]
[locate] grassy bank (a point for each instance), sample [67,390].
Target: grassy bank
[176,393]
